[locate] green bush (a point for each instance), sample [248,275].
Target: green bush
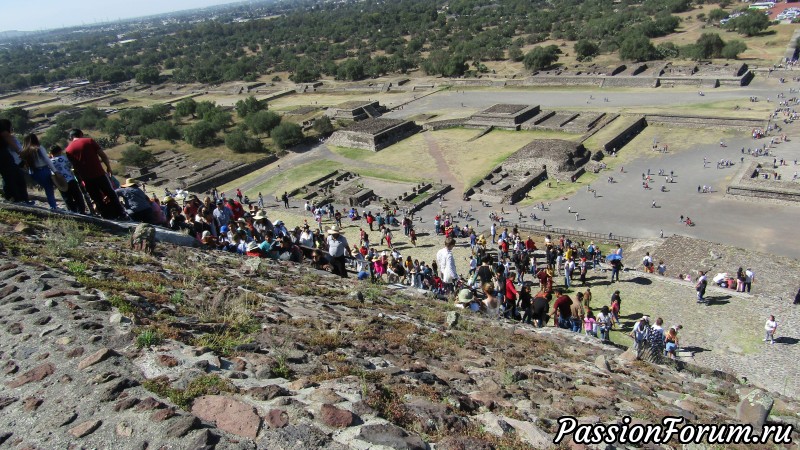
[287,134]
[135,156]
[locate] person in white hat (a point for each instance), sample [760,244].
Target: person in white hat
[337,247]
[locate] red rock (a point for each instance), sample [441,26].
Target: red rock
[7,290]
[150,404]
[167,360]
[124,404]
[75,352]
[59,293]
[38,373]
[229,414]
[277,418]
[336,417]
[239,364]
[86,428]
[96,357]
[31,404]
[163,414]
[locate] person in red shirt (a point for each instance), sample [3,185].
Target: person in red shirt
[85,155]
[562,306]
[530,245]
[236,208]
[370,220]
[510,299]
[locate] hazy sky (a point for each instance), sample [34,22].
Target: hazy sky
[31,15]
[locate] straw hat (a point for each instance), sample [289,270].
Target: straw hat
[335,230]
[261,214]
[129,182]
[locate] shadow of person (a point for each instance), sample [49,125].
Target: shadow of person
[786,340]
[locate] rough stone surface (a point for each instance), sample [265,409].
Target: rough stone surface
[336,417]
[96,357]
[228,414]
[85,428]
[451,319]
[391,436]
[277,418]
[38,373]
[754,408]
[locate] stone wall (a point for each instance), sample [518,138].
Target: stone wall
[747,184]
[625,135]
[443,124]
[230,175]
[704,122]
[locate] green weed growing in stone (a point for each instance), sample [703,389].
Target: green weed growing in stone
[121,304]
[77,268]
[148,338]
[176,298]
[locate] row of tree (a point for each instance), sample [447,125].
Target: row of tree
[207,123]
[350,40]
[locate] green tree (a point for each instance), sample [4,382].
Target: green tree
[287,134]
[350,69]
[750,23]
[53,135]
[733,49]
[162,129]
[515,53]
[585,48]
[201,134]
[715,15]
[113,127]
[135,156]
[186,107]
[19,119]
[540,58]
[323,126]
[238,141]
[262,122]
[636,47]
[249,105]
[148,75]
[709,45]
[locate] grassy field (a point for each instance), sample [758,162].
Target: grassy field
[409,156]
[289,179]
[471,161]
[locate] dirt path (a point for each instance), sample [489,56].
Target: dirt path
[441,165]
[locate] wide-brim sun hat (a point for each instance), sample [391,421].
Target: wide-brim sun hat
[261,214]
[335,230]
[252,246]
[129,182]
[465,296]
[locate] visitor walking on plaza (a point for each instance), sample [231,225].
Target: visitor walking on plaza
[85,155]
[337,247]
[769,329]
